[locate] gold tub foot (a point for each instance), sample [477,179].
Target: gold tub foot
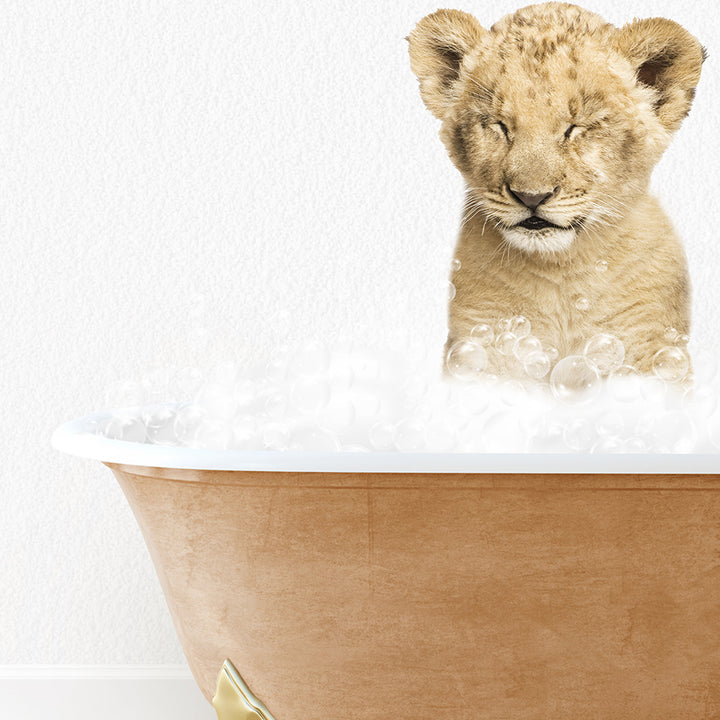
[233,699]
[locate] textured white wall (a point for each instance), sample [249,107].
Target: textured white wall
[269,155]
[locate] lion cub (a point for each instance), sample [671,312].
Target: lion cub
[556,119]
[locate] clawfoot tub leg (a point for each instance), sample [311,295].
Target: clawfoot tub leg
[233,699]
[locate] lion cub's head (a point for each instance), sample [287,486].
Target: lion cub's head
[554,117]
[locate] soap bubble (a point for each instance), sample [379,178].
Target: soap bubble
[653,389]
[610,424]
[414,387]
[277,368]
[635,444]
[574,381]
[313,359]
[644,424]
[245,393]
[483,334]
[670,335]
[511,392]
[245,432]
[548,436]
[338,415]
[121,425]
[438,392]
[670,364]
[525,346]
[422,411]
[579,435]
[314,440]
[519,326]
[159,424]
[368,404]
[474,398]
[503,433]
[582,303]
[608,445]
[537,365]
[381,436]
[341,372]
[700,401]
[409,435]
[505,342]
[451,291]
[552,352]
[213,433]
[456,265]
[454,416]
[275,436]
[187,421]
[624,384]
[601,266]
[276,404]
[673,431]
[365,367]
[439,435]
[133,427]
[604,353]
[503,325]
[466,359]
[310,394]
[682,339]
[472,435]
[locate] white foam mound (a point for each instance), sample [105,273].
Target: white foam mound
[351,399]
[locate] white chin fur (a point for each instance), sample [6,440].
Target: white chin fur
[544,242]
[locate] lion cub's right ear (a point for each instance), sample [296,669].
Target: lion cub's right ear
[438,45]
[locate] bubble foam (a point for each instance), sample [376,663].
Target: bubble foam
[356,399]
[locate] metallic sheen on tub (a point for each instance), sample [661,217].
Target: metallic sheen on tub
[351,596]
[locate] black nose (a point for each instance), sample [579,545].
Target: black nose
[531,200]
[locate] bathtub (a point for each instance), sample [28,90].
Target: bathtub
[358,586]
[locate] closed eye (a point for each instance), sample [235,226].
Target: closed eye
[504,128]
[574,130]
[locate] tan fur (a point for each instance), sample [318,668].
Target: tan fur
[508,99]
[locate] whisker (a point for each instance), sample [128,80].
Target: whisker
[488,93]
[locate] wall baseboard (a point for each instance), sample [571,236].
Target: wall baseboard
[110,692]
[95,672]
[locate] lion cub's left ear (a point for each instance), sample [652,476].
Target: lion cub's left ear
[666,57]
[438,46]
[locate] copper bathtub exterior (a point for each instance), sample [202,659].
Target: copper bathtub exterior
[359,596]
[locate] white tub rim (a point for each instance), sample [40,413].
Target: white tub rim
[74,438]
